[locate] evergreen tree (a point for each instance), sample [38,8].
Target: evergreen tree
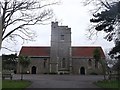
[108,21]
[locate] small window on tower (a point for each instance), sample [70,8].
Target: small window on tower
[62,37]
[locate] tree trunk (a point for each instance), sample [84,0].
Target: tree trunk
[118,77]
[21,73]
[104,74]
[0,49]
[21,76]
[0,32]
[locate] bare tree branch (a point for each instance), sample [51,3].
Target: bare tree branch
[99,7]
[8,49]
[24,13]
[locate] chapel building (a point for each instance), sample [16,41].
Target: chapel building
[61,57]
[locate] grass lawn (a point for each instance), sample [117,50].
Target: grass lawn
[108,84]
[15,84]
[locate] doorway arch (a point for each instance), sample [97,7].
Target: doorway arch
[82,71]
[33,70]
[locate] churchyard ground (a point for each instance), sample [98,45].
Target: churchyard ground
[61,81]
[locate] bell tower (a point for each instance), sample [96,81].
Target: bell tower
[60,53]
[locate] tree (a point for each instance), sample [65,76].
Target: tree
[0,31]
[115,53]
[9,62]
[99,5]
[24,62]
[18,15]
[97,57]
[107,19]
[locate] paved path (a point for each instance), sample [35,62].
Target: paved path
[61,81]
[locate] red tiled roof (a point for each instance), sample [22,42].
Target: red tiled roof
[35,51]
[85,51]
[45,51]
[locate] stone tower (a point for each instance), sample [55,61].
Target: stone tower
[60,53]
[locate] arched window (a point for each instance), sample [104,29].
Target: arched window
[63,63]
[45,62]
[90,62]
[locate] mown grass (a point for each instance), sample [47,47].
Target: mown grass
[15,84]
[108,84]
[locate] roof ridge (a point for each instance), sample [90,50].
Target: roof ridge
[36,46]
[87,46]
[71,46]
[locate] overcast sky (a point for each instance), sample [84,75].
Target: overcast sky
[73,14]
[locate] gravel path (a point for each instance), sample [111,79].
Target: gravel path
[61,81]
